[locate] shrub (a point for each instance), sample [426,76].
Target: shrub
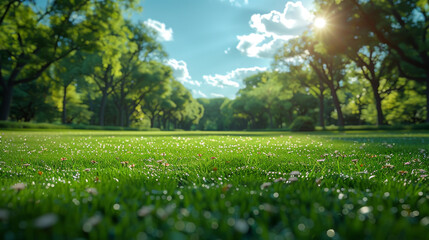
[30,125]
[302,124]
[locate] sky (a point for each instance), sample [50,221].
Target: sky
[212,45]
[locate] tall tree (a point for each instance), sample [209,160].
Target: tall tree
[142,49]
[298,75]
[32,39]
[66,72]
[403,26]
[103,66]
[373,58]
[328,66]
[151,80]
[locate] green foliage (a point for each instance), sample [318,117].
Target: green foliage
[47,126]
[213,119]
[34,37]
[302,123]
[28,125]
[83,62]
[33,101]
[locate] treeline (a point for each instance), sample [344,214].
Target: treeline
[368,65]
[81,62]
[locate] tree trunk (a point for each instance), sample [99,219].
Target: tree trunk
[29,113]
[427,97]
[122,117]
[360,114]
[92,109]
[6,102]
[120,120]
[377,98]
[271,119]
[322,107]
[337,107]
[128,116]
[164,122]
[102,108]
[122,105]
[252,122]
[152,121]
[64,113]
[118,116]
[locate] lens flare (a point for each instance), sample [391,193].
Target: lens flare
[320,23]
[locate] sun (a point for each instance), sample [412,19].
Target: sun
[319,23]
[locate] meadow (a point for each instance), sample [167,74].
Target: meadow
[80,184]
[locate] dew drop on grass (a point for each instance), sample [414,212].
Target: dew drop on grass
[292,179]
[92,191]
[145,210]
[365,210]
[241,226]
[265,185]
[116,206]
[76,202]
[424,221]
[91,223]
[330,233]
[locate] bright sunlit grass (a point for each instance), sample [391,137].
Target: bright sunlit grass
[320,23]
[223,185]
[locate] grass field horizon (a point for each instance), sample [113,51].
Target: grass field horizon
[214,185]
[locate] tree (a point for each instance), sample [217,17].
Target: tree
[327,65]
[213,118]
[143,49]
[64,73]
[34,101]
[103,66]
[156,89]
[32,40]
[373,58]
[403,26]
[232,120]
[273,95]
[299,75]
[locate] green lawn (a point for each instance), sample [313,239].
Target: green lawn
[213,185]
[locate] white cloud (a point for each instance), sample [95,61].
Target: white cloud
[164,34]
[292,21]
[273,30]
[180,71]
[260,46]
[201,93]
[217,95]
[232,78]
[198,93]
[237,3]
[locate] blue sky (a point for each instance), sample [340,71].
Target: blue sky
[213,44]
